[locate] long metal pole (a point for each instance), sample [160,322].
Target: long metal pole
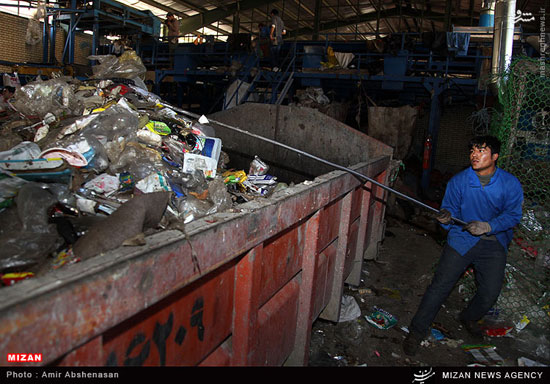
[337,166]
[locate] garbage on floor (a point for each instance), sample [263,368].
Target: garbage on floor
[484,355]
[349,309]
[88,166]
[381,319]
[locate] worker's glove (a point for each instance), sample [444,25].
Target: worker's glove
[478,228]
[444,216]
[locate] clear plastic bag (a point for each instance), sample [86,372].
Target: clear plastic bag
[176,149]
[33,238]
[39,98]
[91,148]
[34,30]
[127,66]
[33,202]
[113,123]
[192,208]
[219,196]
[140,161]
[198,205]
[23,151]
[10,185]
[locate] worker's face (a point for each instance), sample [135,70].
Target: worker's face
[6,94]
[483,161]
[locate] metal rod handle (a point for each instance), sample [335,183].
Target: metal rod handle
[355,173]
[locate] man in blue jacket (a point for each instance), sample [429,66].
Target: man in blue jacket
[489,200]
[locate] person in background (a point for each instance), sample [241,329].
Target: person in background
[261,42]
[7,94]
[276,33]
[263,31]
[489,200]
[173,25]
[118,48]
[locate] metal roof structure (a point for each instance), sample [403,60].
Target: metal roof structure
[313,19]
[339,19]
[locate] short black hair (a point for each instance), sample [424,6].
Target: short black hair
[489,141]
[10,89]
[169,14]
[274,12]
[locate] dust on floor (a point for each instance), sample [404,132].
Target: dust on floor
[395,282]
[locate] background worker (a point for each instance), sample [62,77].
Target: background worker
[276,33]
[490,200]
[263,41]
[7,94]
[173,25]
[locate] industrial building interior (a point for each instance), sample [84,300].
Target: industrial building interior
[414,78]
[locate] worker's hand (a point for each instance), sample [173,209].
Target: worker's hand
[444,216]
[478,228]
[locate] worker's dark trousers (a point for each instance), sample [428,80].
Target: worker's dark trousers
[488,258]
[172,53]
[275,55]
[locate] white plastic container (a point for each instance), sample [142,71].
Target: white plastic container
[207,160]
[210,147]
[193,162]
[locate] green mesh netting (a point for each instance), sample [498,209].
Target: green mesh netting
[522,122]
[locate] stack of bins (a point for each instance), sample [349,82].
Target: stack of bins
[262,276]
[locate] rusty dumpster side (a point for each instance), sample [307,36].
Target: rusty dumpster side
[261,276]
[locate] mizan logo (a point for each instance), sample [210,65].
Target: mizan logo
[422,376]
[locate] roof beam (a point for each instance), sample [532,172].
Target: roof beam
[203,19]
[379,8]
[180,14]
[386,13]
[364,18]
[461,20]
[326,4]
[304,7]
[190,24]
[357,13]
[300,6]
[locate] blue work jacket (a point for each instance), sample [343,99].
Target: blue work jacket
[499,203]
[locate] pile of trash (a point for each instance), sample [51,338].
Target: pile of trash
[87,166]
[314,97]
[337,60]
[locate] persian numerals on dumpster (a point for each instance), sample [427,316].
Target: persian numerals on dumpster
[147,342]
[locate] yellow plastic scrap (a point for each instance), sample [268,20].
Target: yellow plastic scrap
[158,127]
[332,60]
[129,55]
[522,323]
[64,258]
[86,88]
[106,106]
[14,277]
[234,177]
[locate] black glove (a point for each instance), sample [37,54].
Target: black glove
[444,216]
[478,228]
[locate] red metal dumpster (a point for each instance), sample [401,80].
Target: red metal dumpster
[237,288]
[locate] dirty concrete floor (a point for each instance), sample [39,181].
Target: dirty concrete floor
[396,282]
